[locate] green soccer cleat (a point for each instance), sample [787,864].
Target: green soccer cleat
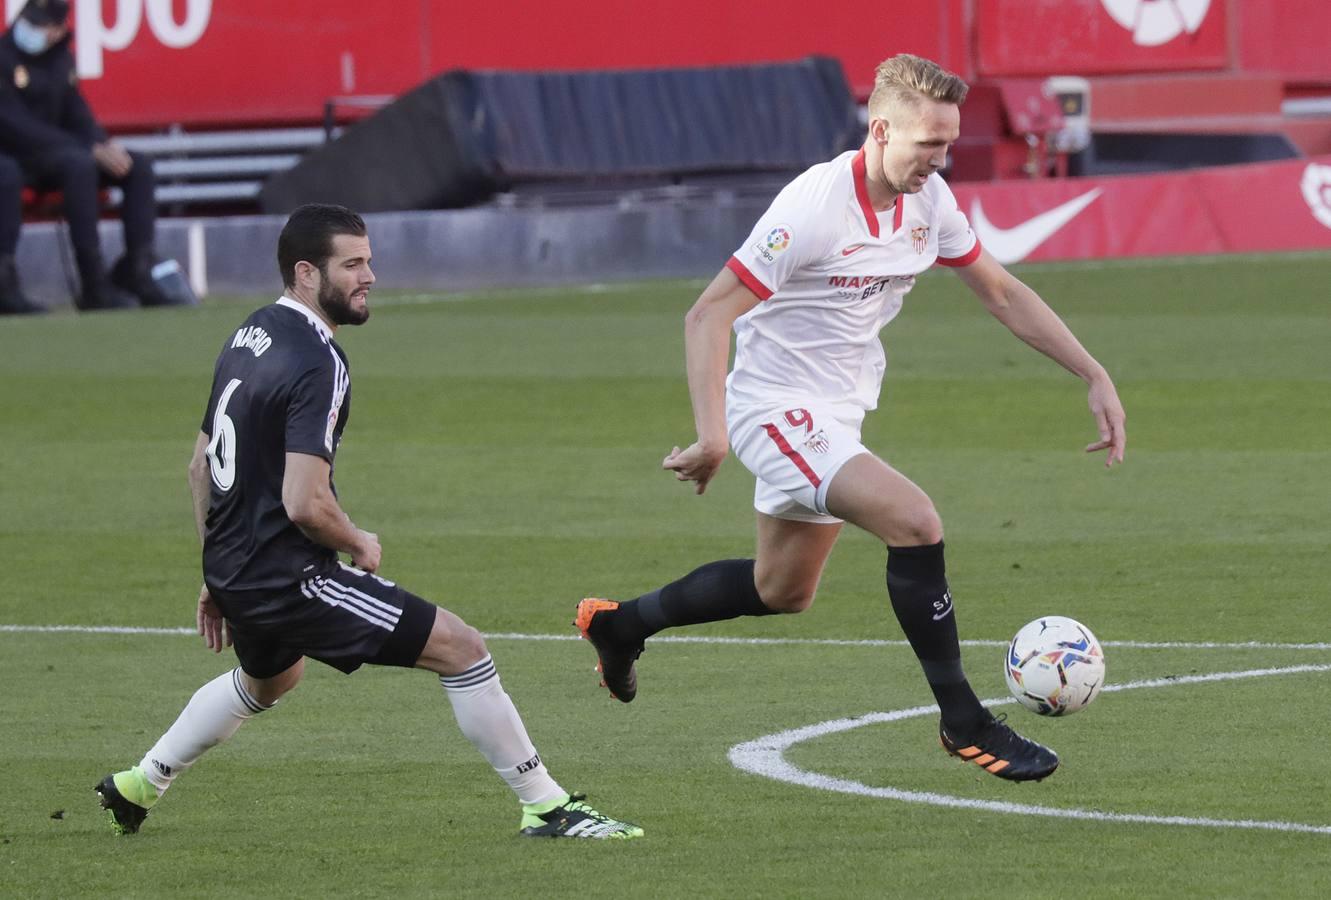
[572,817]
[127,796]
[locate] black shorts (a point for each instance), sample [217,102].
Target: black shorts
[343,617]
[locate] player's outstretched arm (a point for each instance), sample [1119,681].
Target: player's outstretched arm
[1030,318]
[208,617]
[198,484]
[707,351]
[312,507]
[212,626]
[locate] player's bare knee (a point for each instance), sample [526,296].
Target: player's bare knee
[468,644]
[791,602]
[454,642]
[269,690]
[786,598]
[916,527]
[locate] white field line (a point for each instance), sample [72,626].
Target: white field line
[429,298]
[765,756]
[497,294]
[1165,262]
[695,639]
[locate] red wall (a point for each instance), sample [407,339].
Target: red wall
[617,34]
[260,60]
[255,61]
[1089,37]
[147,63]
[1292,39]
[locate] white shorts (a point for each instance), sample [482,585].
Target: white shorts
[794,452]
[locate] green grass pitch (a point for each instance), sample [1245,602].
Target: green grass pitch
[506,448]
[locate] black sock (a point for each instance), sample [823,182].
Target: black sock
[917,586]
[712,593]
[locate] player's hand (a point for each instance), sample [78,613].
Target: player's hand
[368,553]
[112,158]
[694,464]
[1109,419]
[216,634]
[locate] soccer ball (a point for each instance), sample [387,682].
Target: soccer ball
[1054,666]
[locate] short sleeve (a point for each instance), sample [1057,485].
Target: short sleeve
[313,406]
[206,426]
[783,240]
[957,244]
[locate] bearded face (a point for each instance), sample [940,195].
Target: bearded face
[345,281]
[343,305]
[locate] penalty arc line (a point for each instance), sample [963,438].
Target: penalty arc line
[765,756]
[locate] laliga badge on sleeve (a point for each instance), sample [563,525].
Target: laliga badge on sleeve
[777,240]
[21,78]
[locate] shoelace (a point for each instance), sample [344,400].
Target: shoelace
[1000,732]
[578,803]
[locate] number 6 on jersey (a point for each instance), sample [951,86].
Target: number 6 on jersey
[222,448]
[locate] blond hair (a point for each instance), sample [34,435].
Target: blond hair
[906,79]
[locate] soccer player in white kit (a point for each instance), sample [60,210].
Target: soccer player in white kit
[824,270]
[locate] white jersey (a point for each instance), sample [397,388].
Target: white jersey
[831,273]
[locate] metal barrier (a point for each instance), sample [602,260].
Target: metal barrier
[220,167]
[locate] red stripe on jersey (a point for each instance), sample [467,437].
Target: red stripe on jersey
[858,169]
[760,290]
[900,214]
[792,454]
[959,261]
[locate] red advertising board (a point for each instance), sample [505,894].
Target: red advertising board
[242,62]
[592,34]
[1088,218]
[1287,38]
[1234,209]
[200,62]
[1273,207]
[1090,37]
[150,63]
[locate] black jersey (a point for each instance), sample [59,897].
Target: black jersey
[280,386]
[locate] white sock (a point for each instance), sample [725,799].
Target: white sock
[212,715]
[489,720]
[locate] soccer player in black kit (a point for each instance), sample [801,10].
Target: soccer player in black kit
[272,528]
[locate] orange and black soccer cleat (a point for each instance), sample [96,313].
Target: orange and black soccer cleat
[999,750]
[615,659]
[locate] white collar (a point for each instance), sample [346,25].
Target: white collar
[320,325]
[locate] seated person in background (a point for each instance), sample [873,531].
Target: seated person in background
[49,140]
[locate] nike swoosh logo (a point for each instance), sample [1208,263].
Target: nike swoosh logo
[1009,245]
[849,250]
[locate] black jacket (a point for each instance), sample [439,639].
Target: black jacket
[41,107]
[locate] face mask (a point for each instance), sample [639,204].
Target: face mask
[29,38]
